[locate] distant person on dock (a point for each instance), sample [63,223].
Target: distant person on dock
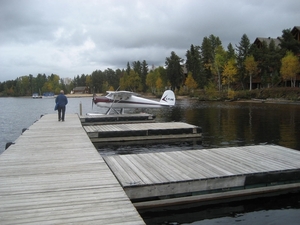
[61,102]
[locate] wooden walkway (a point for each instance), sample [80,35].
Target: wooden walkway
[54,175]
[206,171]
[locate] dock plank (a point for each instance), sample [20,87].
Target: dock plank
[200,166]
[158,169]
[54,175]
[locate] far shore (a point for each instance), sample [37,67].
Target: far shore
[79,95]
[268,100]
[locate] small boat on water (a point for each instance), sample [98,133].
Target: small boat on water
[36,95]
[48,95]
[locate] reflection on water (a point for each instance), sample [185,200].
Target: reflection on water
[269,210]
[226,124]
[236,124]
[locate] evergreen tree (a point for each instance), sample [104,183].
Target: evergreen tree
[274,57]
[208,53]
[119,73]
[289,43]
[207,59]
[97,81]
[128,68]
[144,74]
[230,52]
[174,70]
[268,59]
[215,42]
[137,67]
[111,78]
[242,52]
[40,81]
[193,65]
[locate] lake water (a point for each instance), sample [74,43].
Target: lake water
[224,124]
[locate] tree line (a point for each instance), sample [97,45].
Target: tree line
[208,66]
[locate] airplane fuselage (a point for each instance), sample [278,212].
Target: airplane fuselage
[129,102]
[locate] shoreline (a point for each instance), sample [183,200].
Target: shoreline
[268,100]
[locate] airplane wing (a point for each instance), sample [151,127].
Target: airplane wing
[120,95]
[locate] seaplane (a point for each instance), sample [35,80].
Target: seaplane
[117,101]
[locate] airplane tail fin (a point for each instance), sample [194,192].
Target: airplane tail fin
[168,98]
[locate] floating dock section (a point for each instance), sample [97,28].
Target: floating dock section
[160,179]
[95,119]
[142,131]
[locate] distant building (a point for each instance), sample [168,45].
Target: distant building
[259,41]
[80,90]
[296,32]
[256,81]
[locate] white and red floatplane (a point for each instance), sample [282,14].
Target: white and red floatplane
[119,100]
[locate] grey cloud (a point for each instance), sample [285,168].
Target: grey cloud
[70,37]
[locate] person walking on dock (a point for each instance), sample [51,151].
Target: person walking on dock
[61,102]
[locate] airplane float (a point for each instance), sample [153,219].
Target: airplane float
[119,100]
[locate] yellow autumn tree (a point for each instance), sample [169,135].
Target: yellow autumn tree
[105,86]
[151,80]
[229,73]
[290,67]
[130,81]
[134,81]
[251,67]
[10,91]
[88,81]
[190,83]
[124,81]
[159,84]
[219,62]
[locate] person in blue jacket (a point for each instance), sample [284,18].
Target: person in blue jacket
[61,102]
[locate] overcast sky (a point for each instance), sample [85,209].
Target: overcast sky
[73,37]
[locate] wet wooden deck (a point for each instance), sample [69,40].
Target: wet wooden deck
[54,175]
[185,173]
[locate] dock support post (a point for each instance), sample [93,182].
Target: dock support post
[80,109]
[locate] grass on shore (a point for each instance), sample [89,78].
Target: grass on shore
[285,93]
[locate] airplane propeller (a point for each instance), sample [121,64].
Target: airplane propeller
[94,94]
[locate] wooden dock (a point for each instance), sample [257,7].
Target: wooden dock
[142,131]
[54,175]
[159,179]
